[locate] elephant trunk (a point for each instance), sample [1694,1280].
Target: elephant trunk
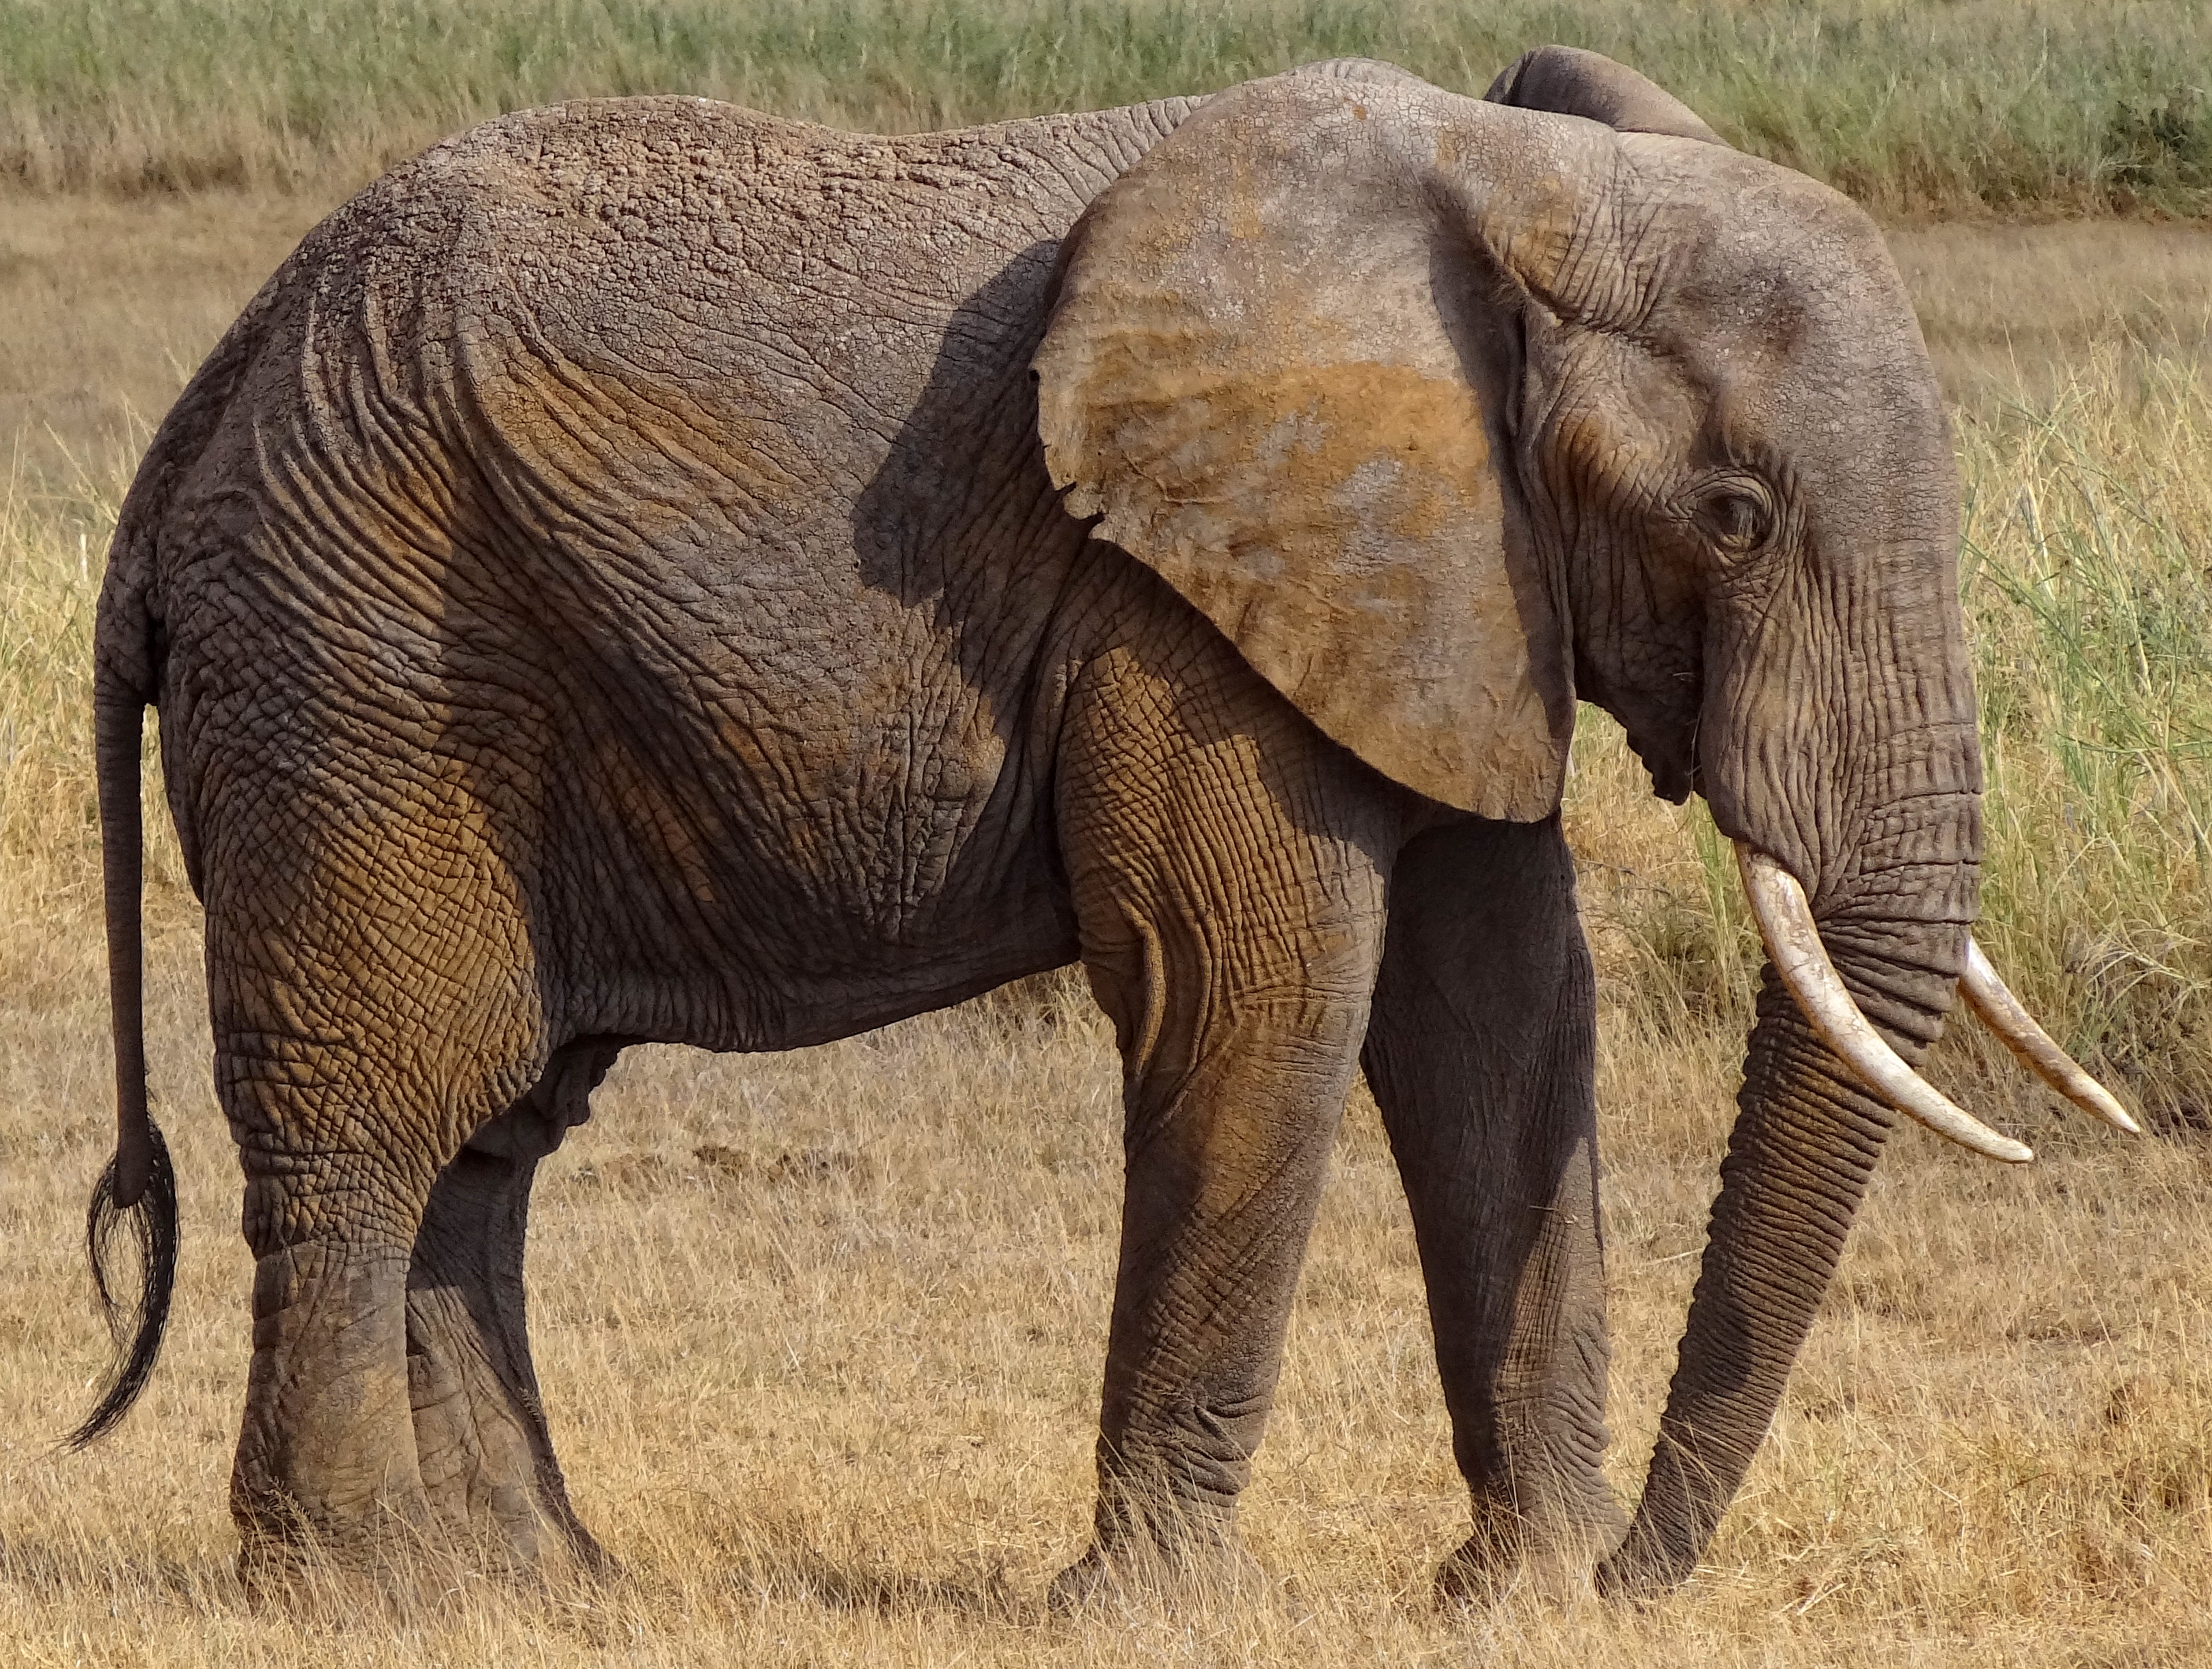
[1803,1148]
[1808,1134]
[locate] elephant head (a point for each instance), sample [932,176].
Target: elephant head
[1448,413]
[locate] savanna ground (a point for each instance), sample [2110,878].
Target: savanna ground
[820,1333]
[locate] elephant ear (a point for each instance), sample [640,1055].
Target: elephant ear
[1282,368]
[1570,82]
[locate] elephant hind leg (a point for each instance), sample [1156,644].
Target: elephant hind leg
[482,1441]
[361,1033]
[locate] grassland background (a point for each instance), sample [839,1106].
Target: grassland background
[1985,105]
[831,1399]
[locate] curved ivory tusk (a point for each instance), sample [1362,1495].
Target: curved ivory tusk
[1785,923]
[2005,1014]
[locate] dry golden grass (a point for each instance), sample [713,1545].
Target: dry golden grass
[109,306]
[839,1410]
[829,1393]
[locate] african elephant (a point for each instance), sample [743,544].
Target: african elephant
[645,571]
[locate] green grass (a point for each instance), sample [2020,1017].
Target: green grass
[1917,109]
[2085,570]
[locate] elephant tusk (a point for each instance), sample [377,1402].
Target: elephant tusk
[2005,1014]
[1785,924]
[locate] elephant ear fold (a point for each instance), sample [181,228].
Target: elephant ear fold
[1280,375]
[1570,82]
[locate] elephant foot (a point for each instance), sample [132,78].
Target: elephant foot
[482,1443]
[1552,1554]
[1179,1574]
[401,1565]
[394,1426]
[333,1562]
[1477,1573]
[1643,1568]
[325,1478]
[481,1511]
[497,1501]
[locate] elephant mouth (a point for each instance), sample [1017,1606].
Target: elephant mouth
[1793,944]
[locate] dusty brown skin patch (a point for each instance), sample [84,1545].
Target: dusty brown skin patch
[1260,396]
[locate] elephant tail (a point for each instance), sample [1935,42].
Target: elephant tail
[136,1194]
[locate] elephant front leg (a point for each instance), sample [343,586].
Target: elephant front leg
[482,1442]
[1480,1056]
[1224,1170]
[1229,899]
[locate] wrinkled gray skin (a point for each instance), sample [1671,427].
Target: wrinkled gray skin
[608,587]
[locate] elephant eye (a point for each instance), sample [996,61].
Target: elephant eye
[1736,514]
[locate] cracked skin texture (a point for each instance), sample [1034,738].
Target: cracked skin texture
[646,570]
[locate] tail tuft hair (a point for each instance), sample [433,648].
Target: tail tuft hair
[152,1222]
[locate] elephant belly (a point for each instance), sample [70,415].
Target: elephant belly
[767,863]
[767,823]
